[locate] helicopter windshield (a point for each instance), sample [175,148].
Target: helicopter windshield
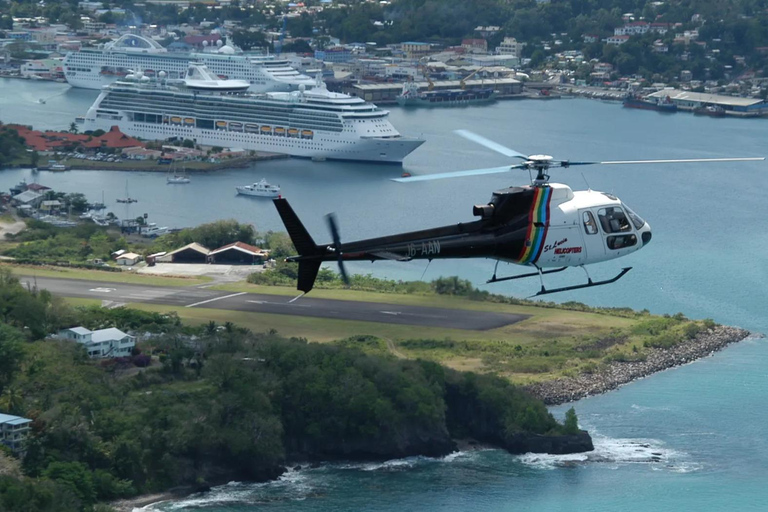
[613,220]
[635,218]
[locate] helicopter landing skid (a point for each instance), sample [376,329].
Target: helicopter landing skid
[495,279]
[588,284]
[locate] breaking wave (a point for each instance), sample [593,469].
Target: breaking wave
[616,452]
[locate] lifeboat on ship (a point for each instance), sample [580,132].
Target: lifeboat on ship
[293,132]
[252,128]
[235,126]
[279,130]
[266,130]
[307,134]
[221,125]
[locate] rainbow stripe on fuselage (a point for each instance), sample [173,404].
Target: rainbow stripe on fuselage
[538,224]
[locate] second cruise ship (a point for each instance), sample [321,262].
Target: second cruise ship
[93,68]
[311,122]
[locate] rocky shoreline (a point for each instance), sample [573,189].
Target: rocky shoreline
[615,374]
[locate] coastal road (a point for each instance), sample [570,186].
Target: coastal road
[203,297]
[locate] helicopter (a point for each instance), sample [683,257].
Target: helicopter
[545,226]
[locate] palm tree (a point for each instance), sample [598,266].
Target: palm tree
[12,400]
[73,127]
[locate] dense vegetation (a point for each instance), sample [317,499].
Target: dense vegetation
[44,243]
[12,147]
[220,403]
[732,28]
[41,242]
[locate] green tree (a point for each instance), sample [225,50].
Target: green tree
[247,39]
[34,158]
[73,127]
[76,477]
[571,422]
[11,354]
[76,201]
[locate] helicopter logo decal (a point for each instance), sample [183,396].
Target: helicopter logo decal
[555,245]
[537,227]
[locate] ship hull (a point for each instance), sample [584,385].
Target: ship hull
[649,105]
[459,100]
[374,149]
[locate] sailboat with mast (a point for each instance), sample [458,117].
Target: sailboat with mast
[127,198]
[177,177]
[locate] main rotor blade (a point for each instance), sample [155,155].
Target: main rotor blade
[457,174]
[681,161]
[495,146]
[331,218]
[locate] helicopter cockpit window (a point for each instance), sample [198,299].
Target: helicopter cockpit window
[613,220]
[635,218]
[589,223]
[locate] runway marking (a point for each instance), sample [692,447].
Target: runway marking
[102,290]
[214,299]
[391,312]
[289,303]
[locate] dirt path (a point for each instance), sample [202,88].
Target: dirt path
[393,349]
[11,228]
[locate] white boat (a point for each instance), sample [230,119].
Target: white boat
[260,189]
[152,230]
[175,178]
[93,68]
[332,125]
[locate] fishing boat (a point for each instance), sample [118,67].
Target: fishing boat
[260,189]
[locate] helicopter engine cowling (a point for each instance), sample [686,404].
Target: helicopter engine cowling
[484,211]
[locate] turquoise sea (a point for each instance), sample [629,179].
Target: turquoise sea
[692,438]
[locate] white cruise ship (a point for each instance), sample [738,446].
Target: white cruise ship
[311,122]
[95,68]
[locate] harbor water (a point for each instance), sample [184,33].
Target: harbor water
[686,439]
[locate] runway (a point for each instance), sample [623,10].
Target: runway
[202,297]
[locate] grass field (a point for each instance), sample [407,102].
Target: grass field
[96,275]
[551,343]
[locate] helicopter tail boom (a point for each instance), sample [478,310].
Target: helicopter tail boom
[305,245]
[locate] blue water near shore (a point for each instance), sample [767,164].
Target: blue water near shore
[691,438]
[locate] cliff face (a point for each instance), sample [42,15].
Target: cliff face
[417,441]
[555,445]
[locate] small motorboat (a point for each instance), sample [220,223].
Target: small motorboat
[260,189]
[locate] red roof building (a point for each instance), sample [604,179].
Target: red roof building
[52,141]
[114,138]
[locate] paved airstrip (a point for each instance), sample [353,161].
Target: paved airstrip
[203,297]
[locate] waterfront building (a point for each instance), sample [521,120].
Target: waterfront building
[388,92]
[732,105]
[13,432]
